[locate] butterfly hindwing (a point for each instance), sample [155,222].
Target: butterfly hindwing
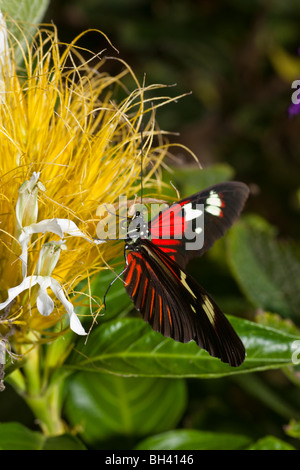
[222,204]
[174,304]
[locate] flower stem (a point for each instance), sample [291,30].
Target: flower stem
[45,400]
[46,407]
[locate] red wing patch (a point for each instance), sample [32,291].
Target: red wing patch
[222,204]
[170,223]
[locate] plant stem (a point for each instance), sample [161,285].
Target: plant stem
[47,407]
[45,400]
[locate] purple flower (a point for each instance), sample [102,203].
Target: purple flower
[293,109]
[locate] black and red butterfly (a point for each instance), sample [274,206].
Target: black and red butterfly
[169,299]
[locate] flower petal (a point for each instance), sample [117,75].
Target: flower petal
[75,324]
[23,256]
[13,292]
[47,225]
[44,303]
[27,203]
[69,227]
[4,52]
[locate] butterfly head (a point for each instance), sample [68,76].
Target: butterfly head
[137,228]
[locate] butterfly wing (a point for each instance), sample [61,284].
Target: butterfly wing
[173,230]
[174,304]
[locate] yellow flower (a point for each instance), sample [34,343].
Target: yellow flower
[67,145]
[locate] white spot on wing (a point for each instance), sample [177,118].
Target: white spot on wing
[214,210]
[214,199]
[191,213]
[214,203]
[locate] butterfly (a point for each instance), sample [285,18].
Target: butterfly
[155,275]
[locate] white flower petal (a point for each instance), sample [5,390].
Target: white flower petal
[13,292]
[69,227]
[23,257]
[24,239]
[3,38]
[27,203]
[34,177]
[44,303]
[47,225]
[75,324]
[4,52]
[48,257]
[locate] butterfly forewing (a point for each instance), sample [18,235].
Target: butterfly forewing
[222,205]
[176,305]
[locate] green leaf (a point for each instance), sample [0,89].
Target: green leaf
[26,13]
[63,442]
[29,11]
[293,429]
[267,271]
[15,436]
[270,443]
[103,405]
[130,347]
[192,439]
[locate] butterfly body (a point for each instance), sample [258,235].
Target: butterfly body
[138,229]
[169,299]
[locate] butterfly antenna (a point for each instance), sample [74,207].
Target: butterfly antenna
[115,215]
[142,156]
[117,277]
